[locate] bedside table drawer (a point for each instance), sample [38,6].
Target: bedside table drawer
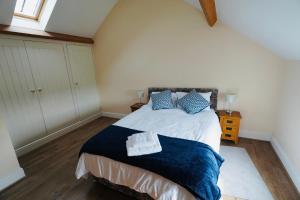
[230,121]
[228,136]
[229,129]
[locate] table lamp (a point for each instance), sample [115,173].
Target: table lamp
[140,94]
[230,99]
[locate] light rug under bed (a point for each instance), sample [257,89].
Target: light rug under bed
[240,177]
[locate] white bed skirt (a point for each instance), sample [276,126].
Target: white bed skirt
[136,178]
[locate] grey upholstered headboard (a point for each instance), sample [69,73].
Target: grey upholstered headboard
[213,97]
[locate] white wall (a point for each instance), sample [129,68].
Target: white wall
[10,170]
[286,139]
[168,43]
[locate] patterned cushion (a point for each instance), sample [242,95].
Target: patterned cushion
[162,100]
[193,102]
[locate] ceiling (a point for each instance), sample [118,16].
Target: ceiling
[74,17]
[79,17]
[274,24]
[7,8]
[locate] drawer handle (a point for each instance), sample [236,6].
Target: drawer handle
[227,135]
[228,129]
[229,121]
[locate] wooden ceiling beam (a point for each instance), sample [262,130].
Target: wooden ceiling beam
[209,9]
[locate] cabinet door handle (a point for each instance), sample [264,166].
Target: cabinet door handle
[40,89]
[228,128]
[76,83]
[32,91]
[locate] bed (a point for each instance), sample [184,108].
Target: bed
[174,123]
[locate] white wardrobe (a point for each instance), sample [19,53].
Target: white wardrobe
[45,88]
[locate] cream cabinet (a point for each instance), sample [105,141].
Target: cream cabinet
[45,88]
[84,82]
[19,103]
[49,69]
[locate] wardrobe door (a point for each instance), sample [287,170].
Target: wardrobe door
[19,104]
[83,71]
[51,76]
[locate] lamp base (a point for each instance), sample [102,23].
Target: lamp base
[229,112]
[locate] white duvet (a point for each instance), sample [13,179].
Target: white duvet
[202,127]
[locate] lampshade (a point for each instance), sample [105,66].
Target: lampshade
[140,93]
[230,98]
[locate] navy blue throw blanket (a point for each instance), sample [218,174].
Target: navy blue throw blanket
[193,165]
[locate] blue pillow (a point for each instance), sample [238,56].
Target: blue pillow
[193,102]
[162,100]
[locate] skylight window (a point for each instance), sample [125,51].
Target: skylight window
[30,9]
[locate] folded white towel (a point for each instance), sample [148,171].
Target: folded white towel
[142,144]
[143,151]
[142,139]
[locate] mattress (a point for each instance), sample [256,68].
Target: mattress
[202,127]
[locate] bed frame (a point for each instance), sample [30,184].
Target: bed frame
[213,97]
[141,196]
[123,189]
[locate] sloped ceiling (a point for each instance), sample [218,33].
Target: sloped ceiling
[273,23]
[7,8]
[73,17]
[79,17]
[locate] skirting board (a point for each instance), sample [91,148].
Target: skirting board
[29,147]
[11,178]
[295,176]
[255,135]
[113,115]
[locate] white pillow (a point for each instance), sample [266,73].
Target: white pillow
[174,98]
[205,95]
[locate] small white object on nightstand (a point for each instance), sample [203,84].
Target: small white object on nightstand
[230,99]
[140,94]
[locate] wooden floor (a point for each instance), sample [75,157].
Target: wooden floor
[50,170]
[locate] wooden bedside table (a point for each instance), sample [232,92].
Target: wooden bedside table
[136,106]
[230,125]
